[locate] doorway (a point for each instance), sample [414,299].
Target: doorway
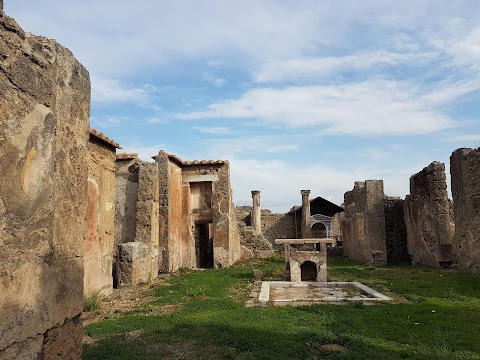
[204,245]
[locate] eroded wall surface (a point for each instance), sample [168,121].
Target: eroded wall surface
[465,173]
[99,246]
[363,224]
[427,218]
[273,225]
[44,111]
[136,221]
[395,230]
[126,191]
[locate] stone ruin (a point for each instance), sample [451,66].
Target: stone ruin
[363,225]
[427,218]
[75,217]
[465,173]
[44,117]
[250,221]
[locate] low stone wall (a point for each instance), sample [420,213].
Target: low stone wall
[427,218]
[465,172]
[44,112]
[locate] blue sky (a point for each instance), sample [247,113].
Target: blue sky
[304,94]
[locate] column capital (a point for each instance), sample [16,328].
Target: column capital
[255,192]
[305,192]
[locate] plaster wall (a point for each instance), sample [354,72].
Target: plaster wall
[99,245]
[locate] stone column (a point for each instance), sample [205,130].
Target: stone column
[306,222]
[256,213]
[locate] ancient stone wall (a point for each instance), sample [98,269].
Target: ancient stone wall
[395,230]
[137,221]
[427,218]
[363,226]
[192,194]
[276,226]
[226,239]
[44,111]
[465,174]
[99,245]
[126,191]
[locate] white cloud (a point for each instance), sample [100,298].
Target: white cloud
[105,90]
[228,148]
[370,108]
[219,130]
[214,80]
[322,67]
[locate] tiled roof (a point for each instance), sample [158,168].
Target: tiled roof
[127,156]
[189,163]
[104,138]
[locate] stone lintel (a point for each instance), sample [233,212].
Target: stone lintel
[200,178]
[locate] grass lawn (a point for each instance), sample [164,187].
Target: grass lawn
[201,315]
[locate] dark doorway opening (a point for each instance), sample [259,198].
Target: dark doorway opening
[308,271]
[204,245]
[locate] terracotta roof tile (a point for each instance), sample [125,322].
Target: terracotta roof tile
[104,138]
[189,163]
[127,156]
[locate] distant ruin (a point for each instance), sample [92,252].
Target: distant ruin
[363,225]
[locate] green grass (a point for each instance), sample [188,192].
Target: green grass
[436,316]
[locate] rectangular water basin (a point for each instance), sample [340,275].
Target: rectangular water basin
[305,291]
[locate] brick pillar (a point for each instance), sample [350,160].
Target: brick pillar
[256,214]
[306,222]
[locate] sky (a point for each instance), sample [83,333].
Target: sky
[296,94]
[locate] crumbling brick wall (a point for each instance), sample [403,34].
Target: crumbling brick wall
[363,225]
[465,173]
[427,218]
[44,111]
[395,230]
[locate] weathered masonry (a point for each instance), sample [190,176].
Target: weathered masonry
[465,173]
[136,221]
[250,227]
[363,225]
[427,218]
[197,218]
[98,255]
[44,111]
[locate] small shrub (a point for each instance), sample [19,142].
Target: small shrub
[91,301]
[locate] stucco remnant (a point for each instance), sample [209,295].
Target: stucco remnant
[44,111]
[465,173]
[100,214]
[427,218]
[363,224]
